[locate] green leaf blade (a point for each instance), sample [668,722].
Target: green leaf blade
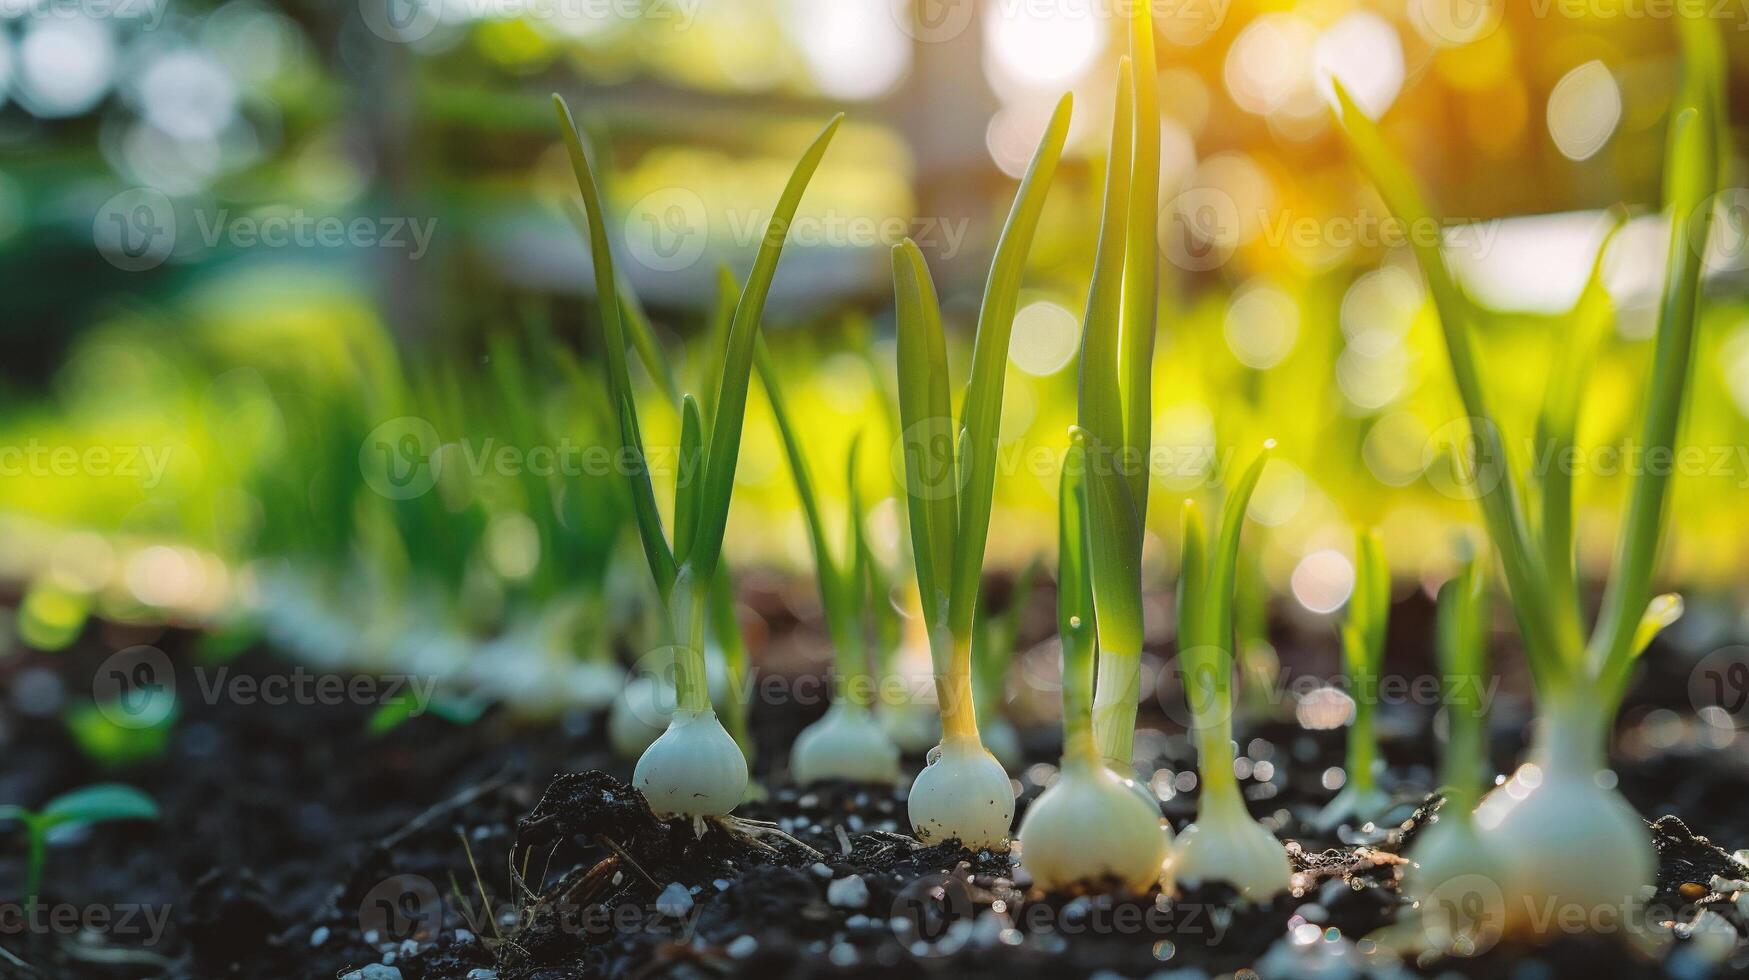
[726,418]
[1115,524]
[982,410]
[1585,327]
[629,441]
[687,481]
[1075,619]
[1546,642]
[926,420]
[1141,297]
[1224,562]
[99,803]
[1691,177]
[826,570]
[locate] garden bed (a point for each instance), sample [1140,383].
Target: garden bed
[295,844]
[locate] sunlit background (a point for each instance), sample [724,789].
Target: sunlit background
[237,239]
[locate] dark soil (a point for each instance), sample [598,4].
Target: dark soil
[295,844]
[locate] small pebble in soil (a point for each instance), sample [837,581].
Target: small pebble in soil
[821,869]
[848,893]
[375,971]
[481,973]
[742,947]
[675,901]
[319,936]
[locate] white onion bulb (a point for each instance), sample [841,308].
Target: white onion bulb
[695,769]
[1225,844]
[1567,845]
[1455,880]
[963,793]
[846,743]
[1090,826]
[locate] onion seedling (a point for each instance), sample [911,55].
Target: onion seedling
[848,742]
[1225,843]
[1113,405]
[694,769]
[98,803]
[645,704]
[1564,838]
[1450,858]
[963,792]
[1363,657]
[1126,844]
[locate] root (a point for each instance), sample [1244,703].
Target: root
[755,831]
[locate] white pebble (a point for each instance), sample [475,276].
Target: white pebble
[320,936]
[821,869]
[675,901]
[481,973]
[848,893]
[742,947]
[375,971]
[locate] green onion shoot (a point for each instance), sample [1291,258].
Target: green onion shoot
[1363,658]
[1127,845]
[695,769]
[1225,843]
[1559,831]
[950,476]
[1113,404]
[849,742]
[1450,860]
